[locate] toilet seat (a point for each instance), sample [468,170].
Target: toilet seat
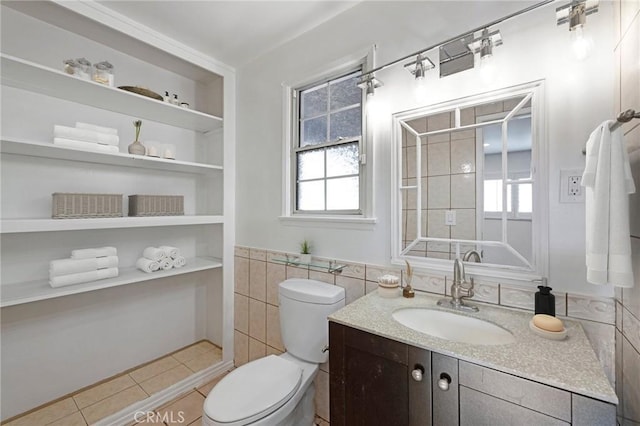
[253,391]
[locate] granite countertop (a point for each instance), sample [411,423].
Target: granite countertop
[568,364]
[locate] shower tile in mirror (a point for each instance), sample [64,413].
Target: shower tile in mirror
[465,227]
[439,192]
[438,155]
[463,155]
[439,121]
[463,191]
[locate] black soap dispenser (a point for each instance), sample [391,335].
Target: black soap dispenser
[544,300]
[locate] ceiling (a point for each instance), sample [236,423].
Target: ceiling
[233,32]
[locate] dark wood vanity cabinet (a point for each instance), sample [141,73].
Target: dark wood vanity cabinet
[377,381]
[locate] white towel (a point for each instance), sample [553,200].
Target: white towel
[179,262]
[147,265]
[93,252]
[73,266]
[83,277]
[96,128]
[608,182]
[153,253]
[85,146]
[85,135]
[169,251]
[165,263]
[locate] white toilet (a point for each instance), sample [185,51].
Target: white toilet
[278,390]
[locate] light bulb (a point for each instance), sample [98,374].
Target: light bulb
[581,43]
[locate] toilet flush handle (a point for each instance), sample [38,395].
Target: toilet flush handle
[325,349]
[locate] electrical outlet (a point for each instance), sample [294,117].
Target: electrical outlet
[450,217]
[571,191]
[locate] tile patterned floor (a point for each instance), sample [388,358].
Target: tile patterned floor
[97,402]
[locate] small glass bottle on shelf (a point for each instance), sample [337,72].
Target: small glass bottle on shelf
[103,73]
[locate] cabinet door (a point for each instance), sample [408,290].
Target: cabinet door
[371,381]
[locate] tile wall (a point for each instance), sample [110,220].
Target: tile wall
[627,93]
[257,330]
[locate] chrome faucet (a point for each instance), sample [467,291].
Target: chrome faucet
[461,288]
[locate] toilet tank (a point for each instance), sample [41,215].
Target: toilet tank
[304,308]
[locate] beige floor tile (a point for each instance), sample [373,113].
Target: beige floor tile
[204,360]
[206,388]
[75,419]
[166,379]
[113,404]
[198,422]
[102,391]
[183,411]
[46,415]
[153,369]
[193,351]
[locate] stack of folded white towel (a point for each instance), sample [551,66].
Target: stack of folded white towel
[85,265]
[160,258]
[88,137]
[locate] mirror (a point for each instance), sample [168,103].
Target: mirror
[467,179]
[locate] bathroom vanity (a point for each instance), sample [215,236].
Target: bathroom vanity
[383,373]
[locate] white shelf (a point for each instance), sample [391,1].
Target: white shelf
[49,150]
[13,226]
[30,76]
[17,294]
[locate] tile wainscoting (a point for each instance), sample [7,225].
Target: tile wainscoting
[257,321]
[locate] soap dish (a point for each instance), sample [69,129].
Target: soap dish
[553,335]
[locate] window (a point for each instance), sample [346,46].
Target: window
[327,148]
[520,192]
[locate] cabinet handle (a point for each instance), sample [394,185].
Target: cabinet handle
[444,381]
[417,373]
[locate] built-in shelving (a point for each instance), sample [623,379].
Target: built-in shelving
[33,77]
[27,292]
[49,150]
[14,226]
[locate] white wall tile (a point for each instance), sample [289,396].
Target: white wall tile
[257,254]
[241,272]
[630,382]
[438,159]
[353,287]
[591,308]
[373,272]
[275,275]
[463,156]
[257,320]
[241,251]
[241,313]
[439,192]
[463,191]
[428,283]
[465,227]
[258,280]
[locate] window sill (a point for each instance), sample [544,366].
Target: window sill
[366,223]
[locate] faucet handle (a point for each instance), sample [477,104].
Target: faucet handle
[542,281]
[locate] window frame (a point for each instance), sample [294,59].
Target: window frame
[296,147]
[366,219]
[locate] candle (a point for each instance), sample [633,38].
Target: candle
[168,153]
[153,151]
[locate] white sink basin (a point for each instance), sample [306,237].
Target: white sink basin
[454,327]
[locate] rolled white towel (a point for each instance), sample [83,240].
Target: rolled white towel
[85,135]
[179,262]
[166,263]
[147,265]
[85,146]
[73,266]
[169,251]
[153,253]
[93,252]
[96,128]
[83,277]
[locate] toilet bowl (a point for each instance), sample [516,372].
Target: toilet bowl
[278,390]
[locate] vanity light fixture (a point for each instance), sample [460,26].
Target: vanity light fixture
[575,14]
[369,83]
[484,45]
[485,42]
[420,66]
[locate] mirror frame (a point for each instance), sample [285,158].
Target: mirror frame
[540,214]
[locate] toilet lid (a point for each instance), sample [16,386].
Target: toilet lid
[253,390]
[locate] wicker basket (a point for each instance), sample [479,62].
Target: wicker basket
[156,205]
[78,205]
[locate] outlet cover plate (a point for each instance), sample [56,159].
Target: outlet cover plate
[571,191]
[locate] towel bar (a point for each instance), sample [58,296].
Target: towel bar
[623,117]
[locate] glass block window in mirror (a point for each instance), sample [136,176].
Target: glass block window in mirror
[327,152]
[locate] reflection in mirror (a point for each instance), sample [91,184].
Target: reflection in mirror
[467,181]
